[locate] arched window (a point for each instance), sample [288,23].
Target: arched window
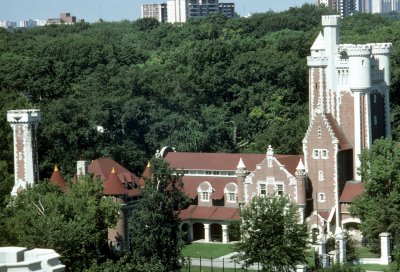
[230,192]
[204,191]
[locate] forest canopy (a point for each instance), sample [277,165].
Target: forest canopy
[210,85]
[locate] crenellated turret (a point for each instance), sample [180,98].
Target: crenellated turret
[359,67]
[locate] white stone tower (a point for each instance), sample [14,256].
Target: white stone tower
[26,166]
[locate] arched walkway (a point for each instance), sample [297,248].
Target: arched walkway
[198,231]
[353,228]
[216,232]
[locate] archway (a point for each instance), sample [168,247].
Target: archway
[353,228]
[216,232]
[186,230]
[198,231]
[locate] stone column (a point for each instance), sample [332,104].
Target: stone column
[207,233]
[225,236]
[321,244]
[357,134]
[190,233]
[385,248]
[341,241]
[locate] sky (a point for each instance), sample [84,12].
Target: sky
[115,10]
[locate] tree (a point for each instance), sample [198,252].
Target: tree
[154,232]
[74,224]
[378,206]
[272,234]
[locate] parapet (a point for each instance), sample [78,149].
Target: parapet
[381,48]
[358,50]
[330,20]
[23,116]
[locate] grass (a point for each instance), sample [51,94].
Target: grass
[364,252]
[208,269]
[373,267]
[206,250]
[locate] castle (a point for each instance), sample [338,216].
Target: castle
[348,109]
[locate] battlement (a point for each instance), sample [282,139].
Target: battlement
[358,50]
[381,48]
[330,20]
[23,116]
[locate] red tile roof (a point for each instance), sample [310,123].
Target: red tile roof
[210,213]
[102,167]
[290,161]
[212,161]
[113,185]
[218,183]
[351,190]
[57,179]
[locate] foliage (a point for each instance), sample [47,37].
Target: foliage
[74,224]
[154,225]
[378,206]
[272,234]
[351,251]
[126,265]
[234,230]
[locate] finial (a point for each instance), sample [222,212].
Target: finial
[56,168]
[113,170]
[148,164]
[241,164]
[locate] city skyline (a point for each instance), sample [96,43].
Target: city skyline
[116,10]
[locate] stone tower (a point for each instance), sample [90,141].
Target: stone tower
[348,109]
[26,167]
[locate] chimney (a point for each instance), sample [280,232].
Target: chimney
[81,168]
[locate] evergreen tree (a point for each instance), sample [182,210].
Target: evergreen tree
[155,236]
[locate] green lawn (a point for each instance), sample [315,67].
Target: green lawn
[206,250]
[208,269]
[364,252]
[374,267]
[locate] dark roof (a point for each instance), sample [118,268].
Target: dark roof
[351,190]
[343,143]
[102,167]
[218,183]
[57,179]
[212,161]
[210,213]
[113,185]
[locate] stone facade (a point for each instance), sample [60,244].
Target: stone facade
[24,124]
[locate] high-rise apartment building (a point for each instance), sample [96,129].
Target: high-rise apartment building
[157,11]
[176,11]
[343,7]
[348,7]
[179,11]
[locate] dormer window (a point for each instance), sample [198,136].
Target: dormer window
[204,191]
[231,191]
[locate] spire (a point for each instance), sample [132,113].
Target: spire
[300,169]
[241,164]
[148,164]
[319,43]
[113,185]
[57,179]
